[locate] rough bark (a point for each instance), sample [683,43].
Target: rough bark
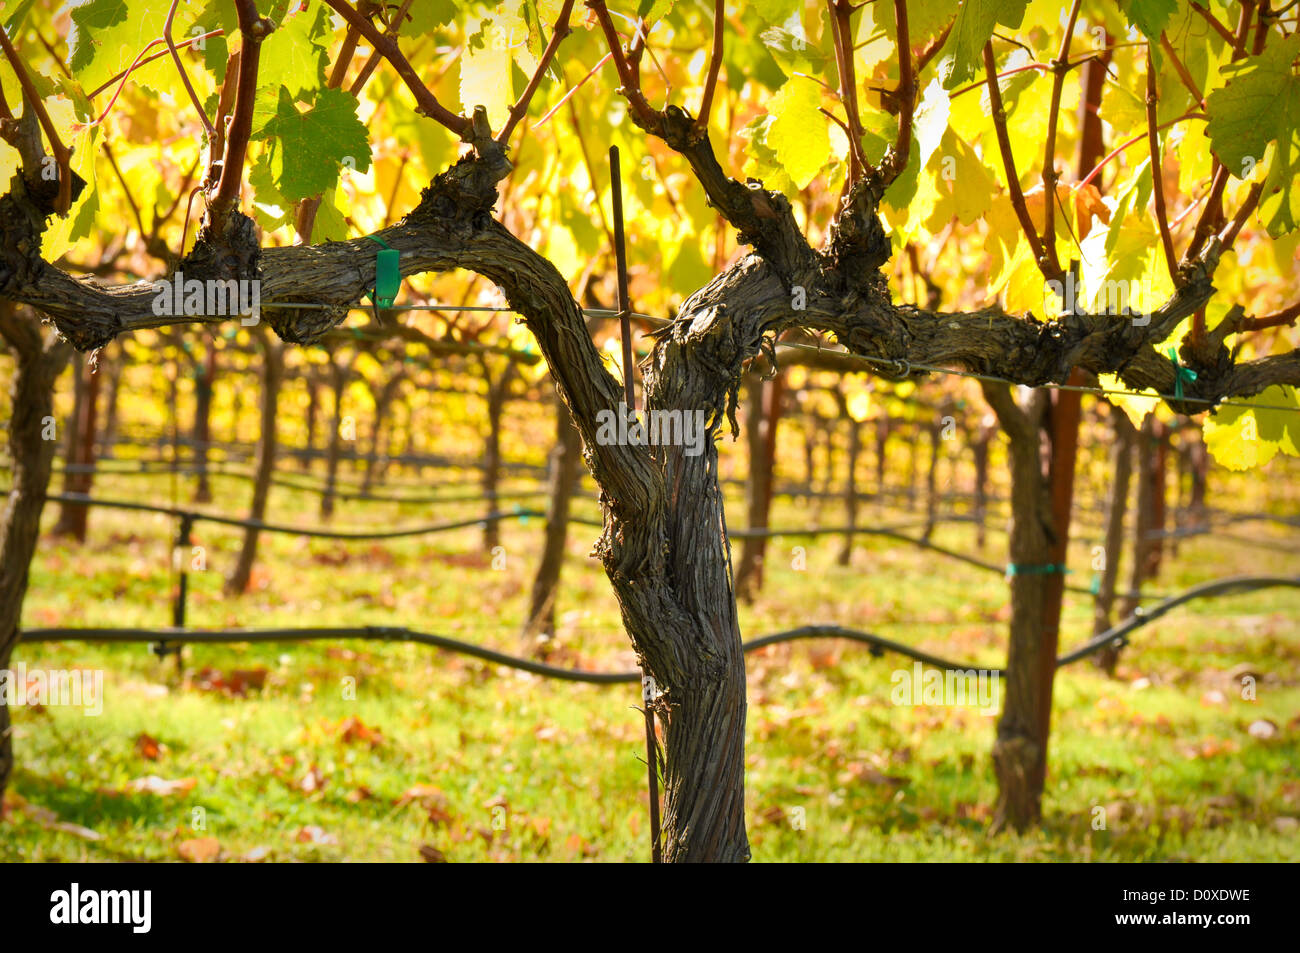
[115,373]
[1019,753]
[38,361]
[1061,429]
[845,555]
[809,450]
[980,449]
[313,407]
[1200,467]
[338,379]
[498,389]
[1121,472]
[205,372]
[932,479]
[1159,498]
[272,378]
[383,401]
[566,456]
[760,427]
[1142,522]
[78,476]
[883,427]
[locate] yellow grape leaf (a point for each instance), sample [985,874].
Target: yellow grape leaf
[1134,406]
[1240,436]
[963,185]
[8,164]
[798,132]
[875,39]
[485,71]
[1024,289]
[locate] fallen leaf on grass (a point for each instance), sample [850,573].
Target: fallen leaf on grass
[200,850]
[235,683]
[823,657]
[352,729]
[152,784]
[312,781]
[1263,729]
[872,775]
[425,794]
[432,855]
[1209,747]
[311,834]
[772,815]
[147,747]
[85,833]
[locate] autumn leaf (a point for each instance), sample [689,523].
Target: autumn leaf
[200,850]
[160,787]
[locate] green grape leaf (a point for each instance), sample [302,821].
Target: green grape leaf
[975,22]
[798,134]
[311,147]
[1261,104]
[762,162]
[652,11]
[428,15]
[330,224]
[1255,106]
[1149,16]
[107,36]
[18,16]
[751,61]
[790,48]
[294,55]
[776,11]
[1241,437]
[270,208]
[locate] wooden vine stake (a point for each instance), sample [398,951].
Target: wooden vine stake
[625,328]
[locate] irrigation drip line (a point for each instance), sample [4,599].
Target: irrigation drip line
[1219,534]
[195,516]
[163,468]
[1117,635]
[1230,517]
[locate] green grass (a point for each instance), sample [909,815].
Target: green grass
[484,763]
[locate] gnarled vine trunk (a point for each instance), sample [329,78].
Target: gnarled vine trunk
[38,362]
[1020,751]
[1121,467]
[565,460]
[760,440]
[272,377]
[78,477]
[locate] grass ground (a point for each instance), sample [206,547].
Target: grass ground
[481,763]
